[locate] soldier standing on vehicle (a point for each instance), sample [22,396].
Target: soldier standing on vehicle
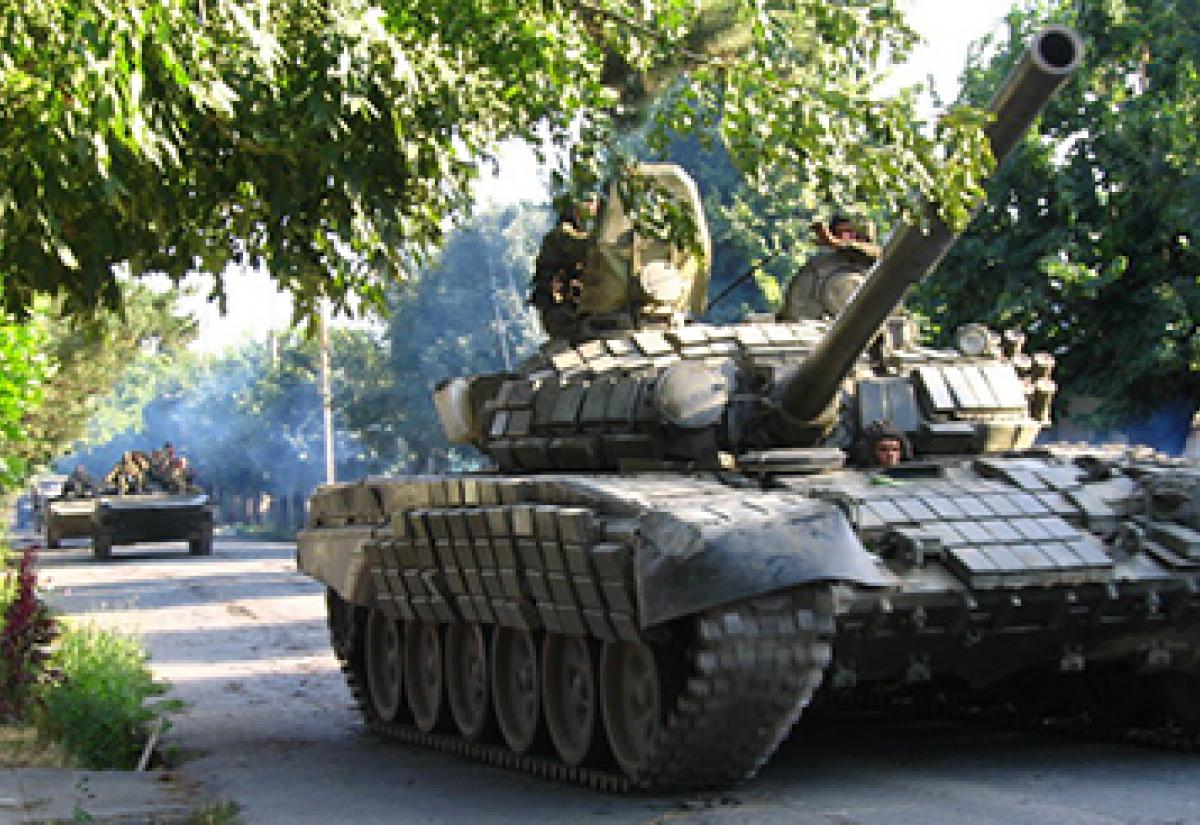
[79,484]
[827,282]
[557,278]
[182,477]
[127,475]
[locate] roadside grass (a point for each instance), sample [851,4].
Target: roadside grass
[71,695]
[101,707]
[258,532]
[218,813]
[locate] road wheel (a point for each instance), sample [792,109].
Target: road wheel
[570,698]
[423,668]
[516,688]
[102,546]
[384,665]
[632,700]
[467,682]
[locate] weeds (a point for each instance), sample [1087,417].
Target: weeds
[27,631]
[100,709]
[219,813]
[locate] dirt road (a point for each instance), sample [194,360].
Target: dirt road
[241,637]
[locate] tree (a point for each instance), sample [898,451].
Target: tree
[23,366]
[333,139]
[467,314]
[87,358]
[250,420]
[1088,239]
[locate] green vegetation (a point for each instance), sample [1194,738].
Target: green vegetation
[23,365]
[334,140]
[56,373]
[87,692]
[250,420]
[1088,242]
[99,706]
[218,813]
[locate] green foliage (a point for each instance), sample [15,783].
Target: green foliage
[467,314]
[101,710]
[335,139]
[1088,240]
[89,357]
[23,367]
[250,420]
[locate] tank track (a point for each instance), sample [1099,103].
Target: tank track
[1165,736]
[759,660]
[1002,715]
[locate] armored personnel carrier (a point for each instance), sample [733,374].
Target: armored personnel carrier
[111,518]
[680,543]
[69,518]
[154,515]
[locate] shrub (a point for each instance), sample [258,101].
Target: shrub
[27,631]
[100,709]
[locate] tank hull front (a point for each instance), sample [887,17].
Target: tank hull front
[746,598]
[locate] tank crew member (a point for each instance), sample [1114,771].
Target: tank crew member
[182,477]
[127,475]
[79,484]
[557,278]
[883,445]
[827,282]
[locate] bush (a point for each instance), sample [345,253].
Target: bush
[26,632]
[99,709]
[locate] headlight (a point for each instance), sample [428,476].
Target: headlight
[974,340]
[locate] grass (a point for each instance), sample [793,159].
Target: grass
[102,705]
[218,813]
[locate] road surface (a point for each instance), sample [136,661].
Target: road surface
[269,725]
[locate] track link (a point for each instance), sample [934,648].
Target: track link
[753,668]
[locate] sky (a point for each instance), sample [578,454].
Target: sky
[255,307]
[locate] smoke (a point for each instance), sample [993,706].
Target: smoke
[1165,429]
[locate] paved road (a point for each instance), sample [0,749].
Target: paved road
[269,725]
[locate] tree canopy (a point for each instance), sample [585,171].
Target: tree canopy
[250,420]
[1088,240]
[334,139]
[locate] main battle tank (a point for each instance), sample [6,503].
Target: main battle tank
[675,551]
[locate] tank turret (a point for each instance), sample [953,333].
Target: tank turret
[913,252]
[630,383]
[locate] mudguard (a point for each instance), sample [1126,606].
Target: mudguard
[334,555]
[690,560]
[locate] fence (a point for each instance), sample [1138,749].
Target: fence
[261,510]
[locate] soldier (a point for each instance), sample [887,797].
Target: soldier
[126,475]
[557,278]
[79,484]
[182,477]
[827,282]
[883,445]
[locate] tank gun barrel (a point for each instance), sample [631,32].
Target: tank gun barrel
[911,254]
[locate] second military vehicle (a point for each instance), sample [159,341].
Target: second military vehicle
[687,534]
[154,509]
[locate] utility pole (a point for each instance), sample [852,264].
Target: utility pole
[499,323]
[326,390]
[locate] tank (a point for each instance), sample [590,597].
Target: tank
[110,518]
[681,545]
